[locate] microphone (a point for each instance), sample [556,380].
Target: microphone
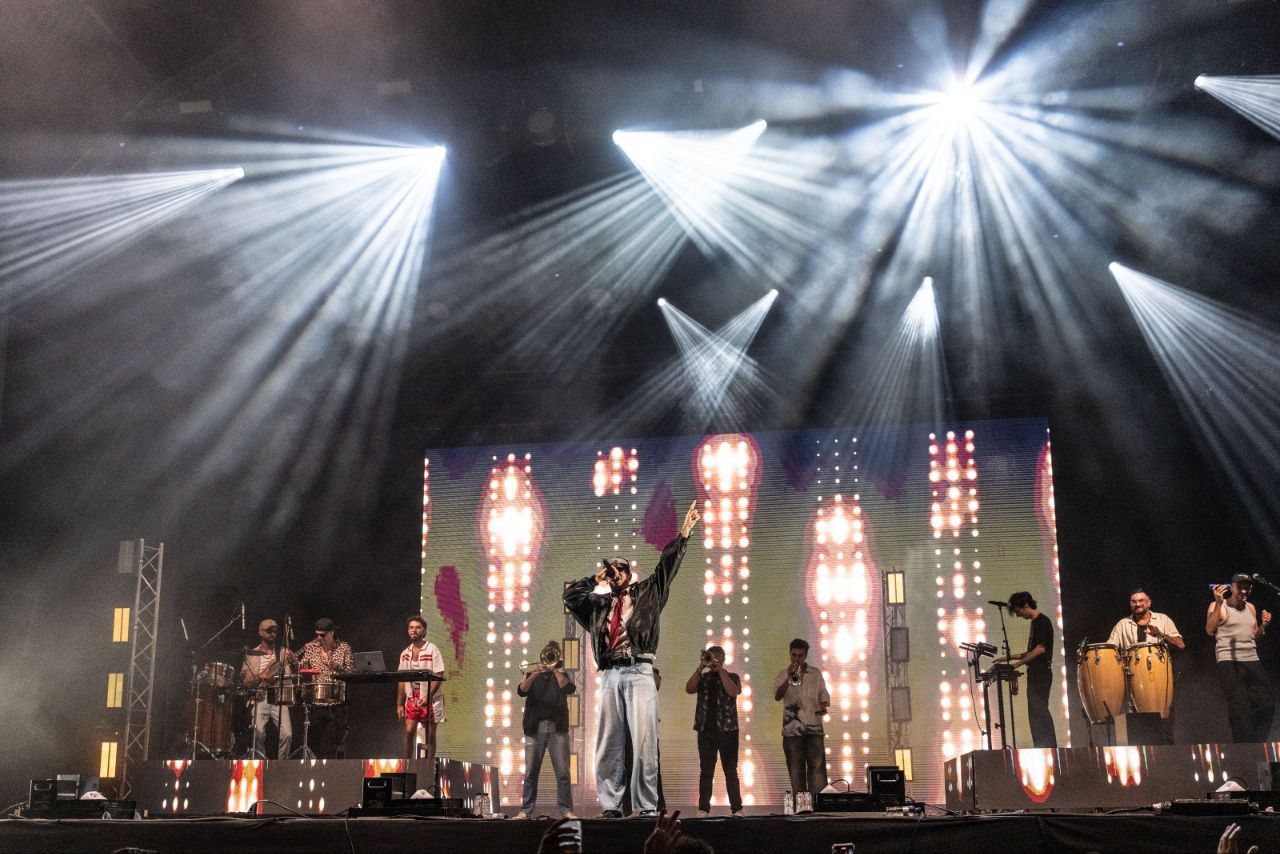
[1258,579]
[185,636]
[288,628]
[997,603]
[242,616]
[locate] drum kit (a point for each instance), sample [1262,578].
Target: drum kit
[218,700]
[1111,680]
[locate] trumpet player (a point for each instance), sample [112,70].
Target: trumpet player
[716,721]
[545,688]
[805,700]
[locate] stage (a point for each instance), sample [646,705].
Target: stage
[953,834]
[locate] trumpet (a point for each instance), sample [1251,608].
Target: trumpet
[548,659]
[707,658]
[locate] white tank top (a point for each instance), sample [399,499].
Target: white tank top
[1235,641]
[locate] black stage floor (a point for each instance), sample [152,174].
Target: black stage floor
[953,835]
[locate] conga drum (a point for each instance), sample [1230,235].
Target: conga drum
[1150,670]
[207,717]
[1100,677]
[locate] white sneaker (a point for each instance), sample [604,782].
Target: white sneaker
[569,814]
[520,815]
[702,814]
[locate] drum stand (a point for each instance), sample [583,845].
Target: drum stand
[196,744]
[305,751]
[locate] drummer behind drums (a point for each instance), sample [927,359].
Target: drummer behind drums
[260,673]
[327,657]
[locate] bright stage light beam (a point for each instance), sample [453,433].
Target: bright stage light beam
[51,227]
[1222,365]
[921,316]
[712,378]
[281,315]
[712,359]
[732,196]
[900,376]
[1257,98]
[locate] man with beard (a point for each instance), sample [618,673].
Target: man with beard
[1144,625]
[1233,623]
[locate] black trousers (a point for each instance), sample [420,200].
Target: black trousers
[328,731]
[1039,684]
[711,744]
[1250,699]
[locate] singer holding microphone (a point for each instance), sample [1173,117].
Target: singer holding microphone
[1037,659]
[1233,623]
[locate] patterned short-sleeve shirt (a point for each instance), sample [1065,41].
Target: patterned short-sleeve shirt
[716,711]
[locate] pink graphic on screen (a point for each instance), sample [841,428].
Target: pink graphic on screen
[453,609]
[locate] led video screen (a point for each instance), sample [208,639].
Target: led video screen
[843,537]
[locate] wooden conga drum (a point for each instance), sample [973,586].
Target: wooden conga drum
[1100,677]
[1150,671]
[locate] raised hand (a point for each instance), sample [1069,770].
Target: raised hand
[559,838]
[690,519]
[666,832]
[1219,593]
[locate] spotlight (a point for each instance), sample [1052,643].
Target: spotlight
[662,301]
[959,103]
[922,313]
[1199,81]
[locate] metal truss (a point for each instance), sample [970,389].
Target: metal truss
[142,660]
[896,672]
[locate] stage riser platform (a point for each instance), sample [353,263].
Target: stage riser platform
[1089,778]
[310,786]
[1051,834]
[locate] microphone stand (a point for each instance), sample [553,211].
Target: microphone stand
[1260,580]
[1012,729]
[279,662]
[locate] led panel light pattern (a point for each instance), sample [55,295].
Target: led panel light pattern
[511,525]
[727,470]
[843,592]
[953,521]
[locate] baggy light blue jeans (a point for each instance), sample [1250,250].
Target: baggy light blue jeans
[628,697]
[557,744]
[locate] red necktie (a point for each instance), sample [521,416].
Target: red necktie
[615,621]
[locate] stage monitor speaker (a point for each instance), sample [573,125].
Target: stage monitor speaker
[846,802]
[42,792]
[887,784]
[403,784]
[1142,729]
[377,792]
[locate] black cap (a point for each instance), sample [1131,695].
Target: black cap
[615,560]
[324,624]
[1242,578]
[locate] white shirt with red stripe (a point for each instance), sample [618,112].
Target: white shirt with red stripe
[427,658]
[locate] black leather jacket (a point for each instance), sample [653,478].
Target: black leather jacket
[649,597]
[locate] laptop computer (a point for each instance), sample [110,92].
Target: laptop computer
[370,662]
